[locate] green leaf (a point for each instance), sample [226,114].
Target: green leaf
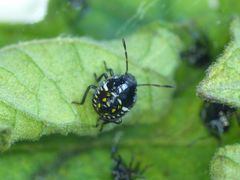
[162,145]
[90,159]
[222,81]
[226,163]
[40,79]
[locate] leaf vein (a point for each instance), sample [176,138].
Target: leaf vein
[51,80]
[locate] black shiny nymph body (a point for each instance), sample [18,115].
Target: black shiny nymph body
[126,171]
[114,97]
[216,117]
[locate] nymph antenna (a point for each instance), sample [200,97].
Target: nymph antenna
[126,55]
[156,85]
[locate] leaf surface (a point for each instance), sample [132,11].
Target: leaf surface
[222,81]
[40,79]
[226,163]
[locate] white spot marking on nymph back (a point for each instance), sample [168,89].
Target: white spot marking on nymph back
[119,100]
[114,94]
[105,87]
[124,86]
[125,109]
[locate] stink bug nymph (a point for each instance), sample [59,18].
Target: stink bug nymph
[217,119]
[198,54]
[114,96]
[126,171]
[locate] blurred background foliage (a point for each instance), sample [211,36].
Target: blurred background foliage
[163,145]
